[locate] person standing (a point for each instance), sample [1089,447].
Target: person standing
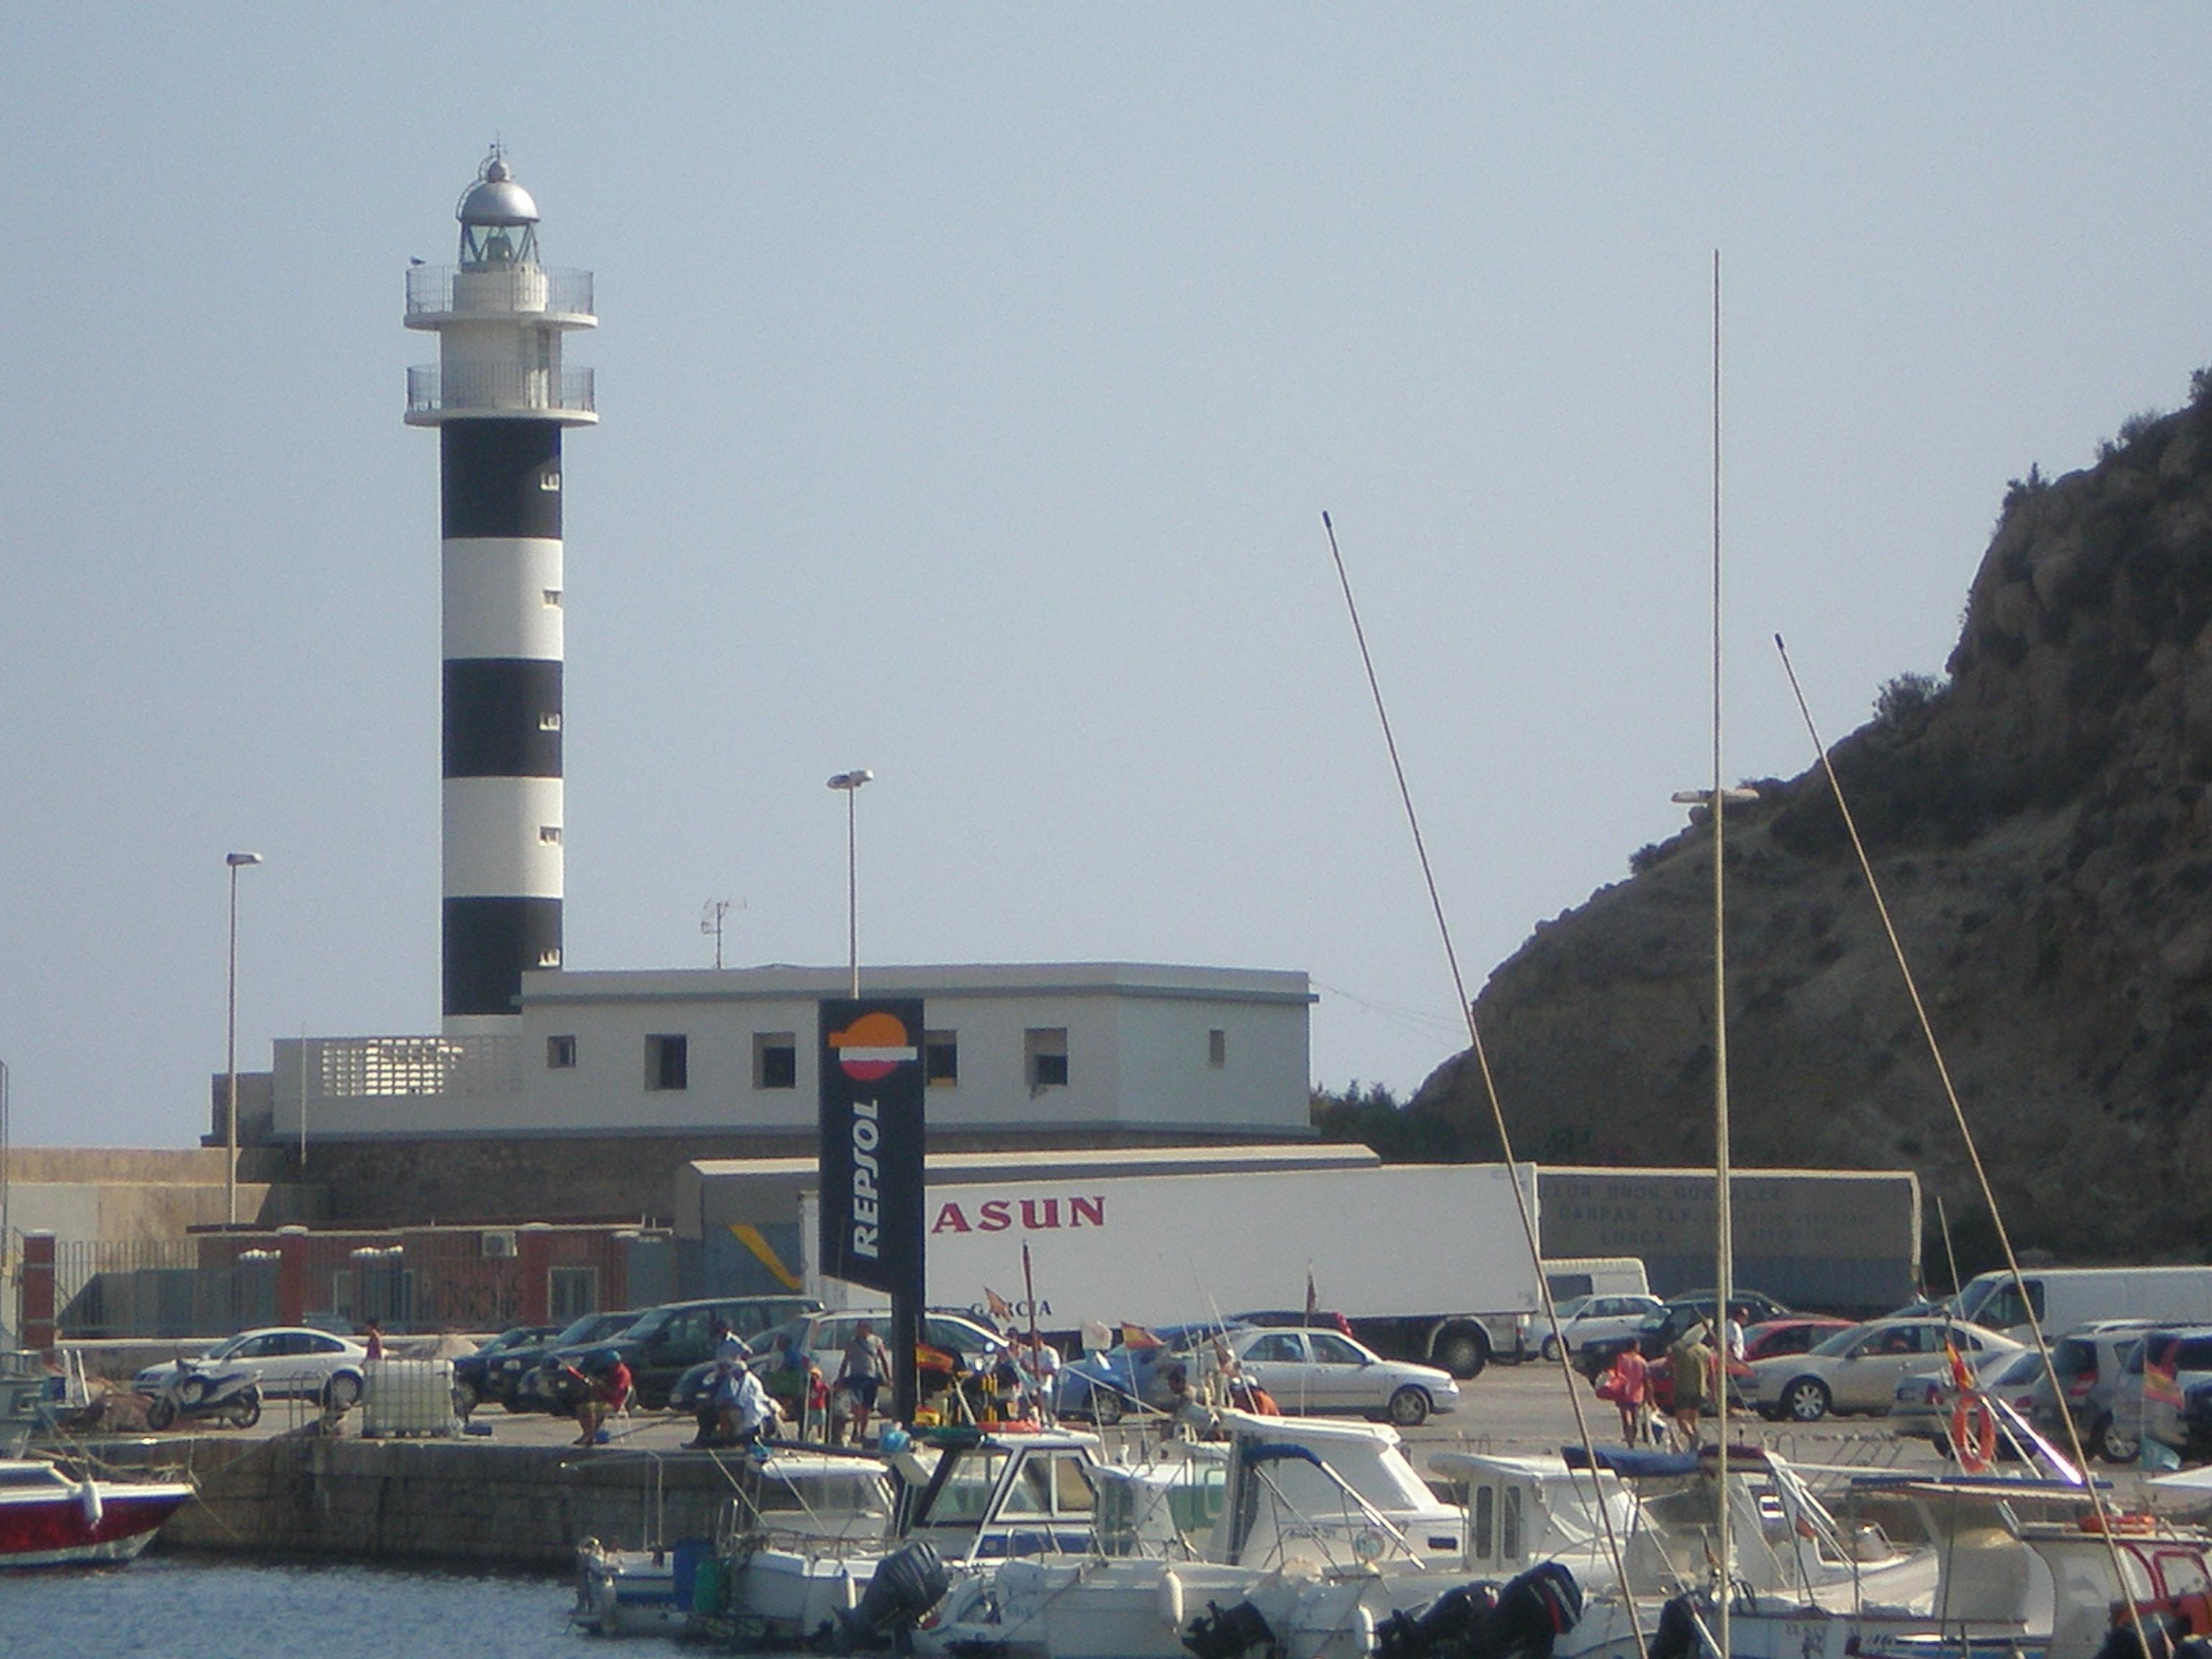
[861,1374]
[1632,1393]
[1691,1361]
[1041,1373]
[375,1344]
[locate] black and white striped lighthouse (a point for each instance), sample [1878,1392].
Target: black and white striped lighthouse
[499,398]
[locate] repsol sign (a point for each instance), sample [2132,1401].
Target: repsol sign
[873,1212]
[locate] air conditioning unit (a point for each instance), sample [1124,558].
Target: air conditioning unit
[500,1245]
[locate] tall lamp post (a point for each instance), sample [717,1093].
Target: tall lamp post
[237,862]
[850,783]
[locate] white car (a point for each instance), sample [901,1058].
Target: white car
[1601,1319]
[290,1359]
[1858,1369]
[1320,1371]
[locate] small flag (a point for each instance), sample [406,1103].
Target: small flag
[1136,1336]
[1002,1311]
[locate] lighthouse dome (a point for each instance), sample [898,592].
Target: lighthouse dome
[496,198]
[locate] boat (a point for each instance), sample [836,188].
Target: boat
[48,1519]
[1323,1530]
[815,1501]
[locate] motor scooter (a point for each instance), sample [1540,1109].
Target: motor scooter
[188,1394]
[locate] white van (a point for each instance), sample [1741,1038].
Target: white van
[1596,1275]
[2065,1298]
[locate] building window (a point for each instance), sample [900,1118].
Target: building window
[548,835]
[940,1059]
[553,597]
[1045,1049]
[549,720]
[775,1059]
[550,957]
[1217,1047]
[560,1054]
[667,1062]
[571,1292]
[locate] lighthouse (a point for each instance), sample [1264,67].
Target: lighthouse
[499,397]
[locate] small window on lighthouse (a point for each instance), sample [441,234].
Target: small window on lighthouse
[551,480]
[549,720]
[550,957]
[553,598]
[548,835]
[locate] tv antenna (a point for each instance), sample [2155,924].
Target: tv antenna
[710,921]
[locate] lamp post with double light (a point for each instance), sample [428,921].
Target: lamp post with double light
[849,783]
[237,862]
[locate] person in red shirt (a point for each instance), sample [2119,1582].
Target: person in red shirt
[606,1392]
[1632,1391]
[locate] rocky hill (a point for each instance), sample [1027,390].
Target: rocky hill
[2041,829]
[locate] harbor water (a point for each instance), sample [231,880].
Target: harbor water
[179,1605]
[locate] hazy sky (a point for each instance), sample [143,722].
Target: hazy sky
[972,379]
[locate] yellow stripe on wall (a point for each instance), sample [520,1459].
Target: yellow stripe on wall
[750,1237]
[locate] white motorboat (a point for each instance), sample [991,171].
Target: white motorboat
[1324,1529]
[816,1503]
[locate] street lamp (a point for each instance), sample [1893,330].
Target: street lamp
[850,783]
[237,862]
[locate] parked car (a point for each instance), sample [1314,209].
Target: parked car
[1924,1402]
[1321,1372]
[2091,1365]
[664,1342]
[2153,1401]
[472,1371]
[1587,1319]
[285,1359]
[823,1338]
[1858,1369]
[513,1378]
[1797,1333]
[1658,1332]
[1103,1386]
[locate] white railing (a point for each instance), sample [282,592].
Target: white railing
[430,290]
[368,1068]
[456,388]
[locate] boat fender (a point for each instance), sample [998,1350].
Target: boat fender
[1171,1599]
[849,1589]
[88,1499]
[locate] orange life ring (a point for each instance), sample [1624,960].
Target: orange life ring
[1974,1434]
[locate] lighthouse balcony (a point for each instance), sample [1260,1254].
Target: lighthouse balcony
[440,295]
[438,392]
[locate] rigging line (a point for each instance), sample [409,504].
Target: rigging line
[1513,1166]
[1965,1133]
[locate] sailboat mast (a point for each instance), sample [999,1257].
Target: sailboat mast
[1724,1218]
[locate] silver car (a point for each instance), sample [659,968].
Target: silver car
[1320,1371]
[1600,1319]
[1858,1369]
[2092,1363]
[289,1359]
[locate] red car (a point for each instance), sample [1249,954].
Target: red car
[1794,1334]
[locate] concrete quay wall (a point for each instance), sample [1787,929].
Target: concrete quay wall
[449,1502]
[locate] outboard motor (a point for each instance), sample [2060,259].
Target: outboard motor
[1677,1635]
[1453,1627]
[1218,1635]
[907,1583]
[1533,1612]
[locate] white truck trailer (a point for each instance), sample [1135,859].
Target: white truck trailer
[1427,1261]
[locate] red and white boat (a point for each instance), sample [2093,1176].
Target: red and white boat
[48,1520]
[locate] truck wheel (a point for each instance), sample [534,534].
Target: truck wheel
[1409,1407]
[1462,1349]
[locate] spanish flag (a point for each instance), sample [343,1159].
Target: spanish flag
[1136,1336]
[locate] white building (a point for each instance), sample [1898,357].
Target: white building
[1098,1053]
